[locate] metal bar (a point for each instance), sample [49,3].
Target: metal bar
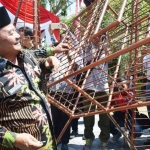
[148,28]
[139,20]
[39,31]
[135,105]
[101,16]
[135,69]
[17,13]
[116,72]
[104,30]
[64,129]
[116,14]
[35,24]
[116,124]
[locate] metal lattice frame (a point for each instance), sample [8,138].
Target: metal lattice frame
[125,26]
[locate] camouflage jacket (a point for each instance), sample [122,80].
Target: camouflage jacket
[23,106]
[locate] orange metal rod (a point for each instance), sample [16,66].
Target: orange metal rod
[116,72]
[17,13]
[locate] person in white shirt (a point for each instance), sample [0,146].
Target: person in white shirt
[96,85]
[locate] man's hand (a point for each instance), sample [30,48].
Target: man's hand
[52,61]
[64,26]
[62,47]
[25,141]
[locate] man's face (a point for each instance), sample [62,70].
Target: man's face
[9,41]
[21,33]
[25,41]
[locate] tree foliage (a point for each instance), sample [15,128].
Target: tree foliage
[58,7]
[67,20]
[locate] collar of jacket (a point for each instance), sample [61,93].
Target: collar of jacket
[3,61]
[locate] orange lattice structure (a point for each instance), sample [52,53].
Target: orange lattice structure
[118,30]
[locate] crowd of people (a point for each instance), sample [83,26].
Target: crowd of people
[25,115]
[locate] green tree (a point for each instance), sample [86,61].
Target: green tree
[58,7]
[67,20]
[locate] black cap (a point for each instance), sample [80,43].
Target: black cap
[4,17]
[88,2]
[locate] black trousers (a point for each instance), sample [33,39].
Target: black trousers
[74,124]
[60,119]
